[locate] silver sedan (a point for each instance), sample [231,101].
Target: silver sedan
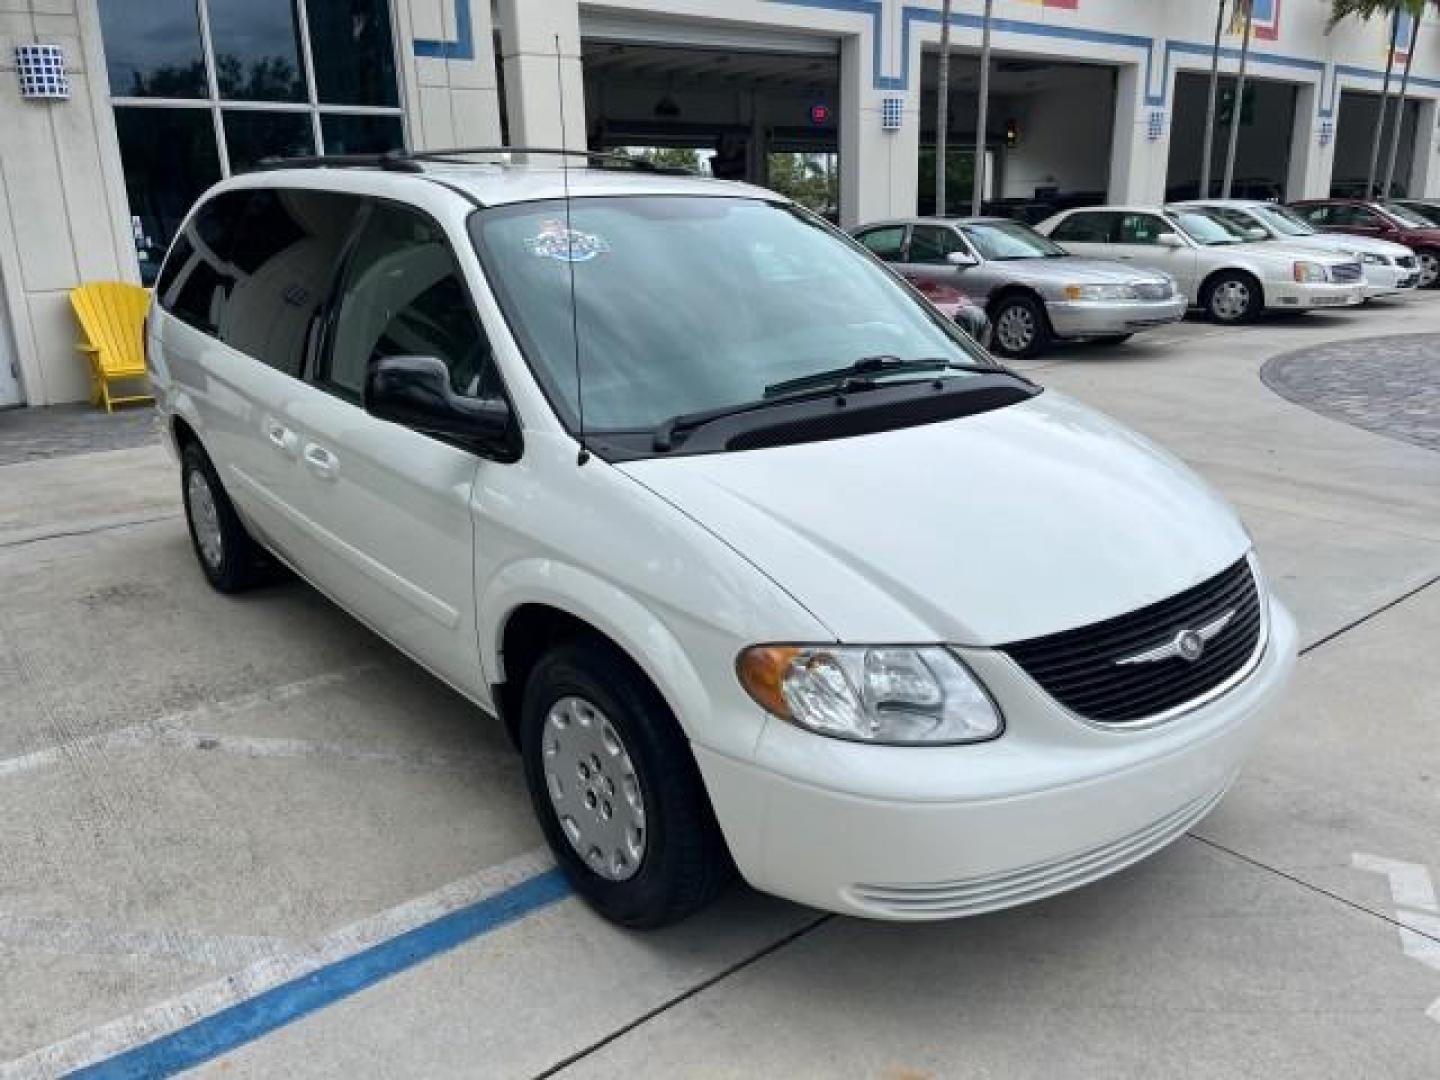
[1033,290]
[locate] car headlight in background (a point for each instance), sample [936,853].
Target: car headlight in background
[1371,259]
[1309,272]
[897,695]
[1101,292]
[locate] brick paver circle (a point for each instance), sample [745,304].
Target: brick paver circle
[1388,385]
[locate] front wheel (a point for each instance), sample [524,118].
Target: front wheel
[1021,327]
[1233,298]
[616,788]
[1429,268]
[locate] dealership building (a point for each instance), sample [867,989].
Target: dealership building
[115,114]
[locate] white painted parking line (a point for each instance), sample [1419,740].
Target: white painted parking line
[167,1017]
[129,735]
[223,951]
[1416,912]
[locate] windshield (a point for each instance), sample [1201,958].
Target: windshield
[685,304]
[1207,229]
[1405,216]
[1283,220]
[1002,240]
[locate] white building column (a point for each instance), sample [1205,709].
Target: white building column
[447,63]
[879,169]
[1312,148]
[537,81]
[1140,148]
[1425,168]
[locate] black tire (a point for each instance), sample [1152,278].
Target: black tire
[1429,262]
[1232,297]
[1019,326]
[240,562]
[1111,339]
[685,863]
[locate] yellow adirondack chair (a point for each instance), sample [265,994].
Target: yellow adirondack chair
[112,315]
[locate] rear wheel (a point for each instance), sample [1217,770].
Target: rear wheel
[1233,297]
[1429,268]
[231,560]
[1020,326]
[616,788]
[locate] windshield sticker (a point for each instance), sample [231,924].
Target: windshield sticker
[554,241]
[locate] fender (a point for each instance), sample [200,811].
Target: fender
[627,622]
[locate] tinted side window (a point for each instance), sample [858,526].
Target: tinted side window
[1086,228]
[253,268]
[403,296]
[931,243]
[1316,215]
[887,242]
[1140,229]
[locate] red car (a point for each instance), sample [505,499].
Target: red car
[1383,220]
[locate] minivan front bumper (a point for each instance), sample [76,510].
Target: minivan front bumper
[912,833]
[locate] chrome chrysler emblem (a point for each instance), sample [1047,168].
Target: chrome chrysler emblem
[1188,644]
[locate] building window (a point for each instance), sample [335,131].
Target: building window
[203,89]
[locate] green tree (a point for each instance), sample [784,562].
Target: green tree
[810,179]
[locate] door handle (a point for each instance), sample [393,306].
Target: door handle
[281,437]
[321,462]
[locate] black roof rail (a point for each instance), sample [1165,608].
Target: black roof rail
[390,160]
[411,161]
[450,154]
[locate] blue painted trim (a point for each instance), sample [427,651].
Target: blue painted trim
[462,48]
[874,10]
[249,1020]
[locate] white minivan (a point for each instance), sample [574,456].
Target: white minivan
[764,563]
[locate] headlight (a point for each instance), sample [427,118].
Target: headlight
[1307,272]
[1101,292]
[1375,260]
[878,694]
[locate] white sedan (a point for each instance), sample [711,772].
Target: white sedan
[1390,269]
[1220,266]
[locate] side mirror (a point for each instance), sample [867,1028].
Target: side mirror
[1170,240]
[414,391]
[961,258]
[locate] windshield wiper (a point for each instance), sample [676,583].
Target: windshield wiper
[857,376]
[861,374]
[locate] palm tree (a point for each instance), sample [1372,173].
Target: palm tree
[1366,10]
[942,112]
[977,195]
[1416,10]
[1208,151]
[1245,9]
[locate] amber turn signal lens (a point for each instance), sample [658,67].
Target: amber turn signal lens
[761,672]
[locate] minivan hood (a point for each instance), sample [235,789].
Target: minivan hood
[1075,270]
[1024,521]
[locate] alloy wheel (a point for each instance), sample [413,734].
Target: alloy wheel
[594,788]
[1230,301]
[1015,329]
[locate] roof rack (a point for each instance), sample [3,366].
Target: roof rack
[413,161]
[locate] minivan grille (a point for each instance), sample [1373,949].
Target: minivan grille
[1083,669]
[1347,273]
[1152,290]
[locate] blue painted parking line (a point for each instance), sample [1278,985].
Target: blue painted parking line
[284,1004]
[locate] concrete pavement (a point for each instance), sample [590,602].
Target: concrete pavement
[194,786]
